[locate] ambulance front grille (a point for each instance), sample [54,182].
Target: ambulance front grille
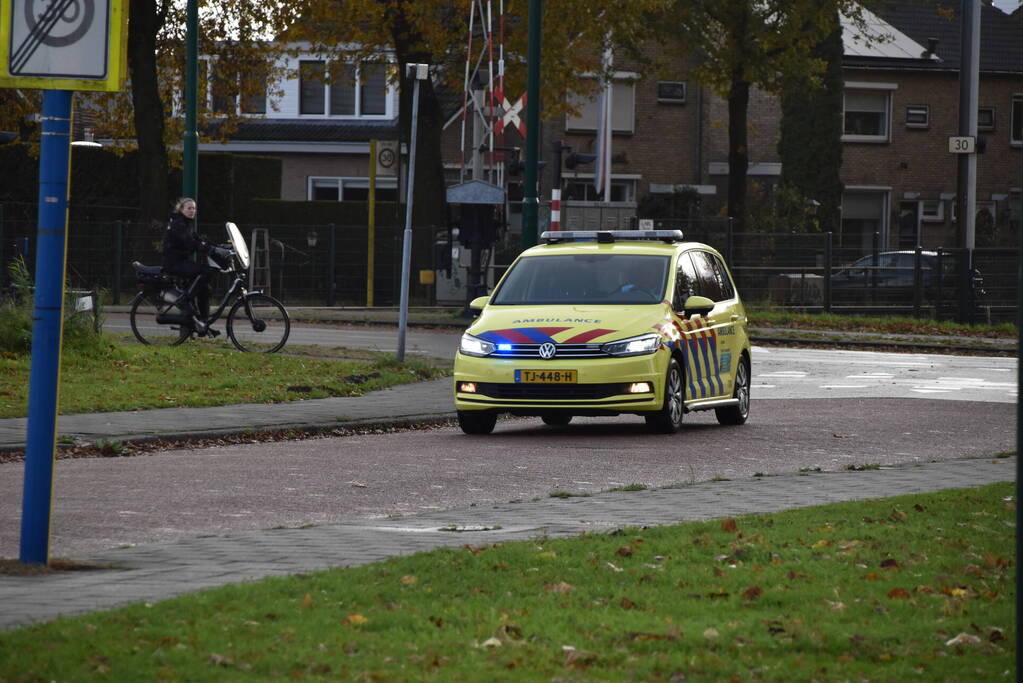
[563,351]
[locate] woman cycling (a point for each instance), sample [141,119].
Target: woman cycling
[180,245]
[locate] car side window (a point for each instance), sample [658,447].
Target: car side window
[725,282]
[686,282]
[705,273]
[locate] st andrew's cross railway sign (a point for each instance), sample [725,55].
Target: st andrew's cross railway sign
[63,44]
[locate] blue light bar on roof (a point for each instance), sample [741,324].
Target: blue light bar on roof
[556,236]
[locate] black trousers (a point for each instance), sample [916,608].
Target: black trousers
[187,270]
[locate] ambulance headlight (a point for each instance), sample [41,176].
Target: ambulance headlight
[474,346]
[633,346]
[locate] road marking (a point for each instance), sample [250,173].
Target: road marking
[843,386]
[795,374]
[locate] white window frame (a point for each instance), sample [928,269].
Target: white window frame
[341,182]
[624,83]
[986,126]
[884,89]
[918,111]
[931,210]
[1016,120]
[389,96]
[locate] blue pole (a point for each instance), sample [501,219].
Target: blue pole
[47,321]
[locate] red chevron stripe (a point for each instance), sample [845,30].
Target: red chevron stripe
[587,336]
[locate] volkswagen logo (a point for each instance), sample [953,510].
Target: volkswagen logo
[547,350]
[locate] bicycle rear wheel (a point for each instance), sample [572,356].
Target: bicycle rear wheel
[258,322]
[144,309]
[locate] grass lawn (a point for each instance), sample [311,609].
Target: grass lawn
[917,587]
[763,317]
[135,377]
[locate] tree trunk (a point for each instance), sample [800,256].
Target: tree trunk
[738,151]
[145,22]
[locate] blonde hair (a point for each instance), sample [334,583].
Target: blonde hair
[181,203]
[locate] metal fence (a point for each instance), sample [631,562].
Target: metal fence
[327,265]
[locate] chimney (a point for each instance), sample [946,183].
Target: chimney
[932,48]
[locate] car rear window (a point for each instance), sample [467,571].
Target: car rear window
[604,279]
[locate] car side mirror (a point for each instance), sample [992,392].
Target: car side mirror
[477,304]
[697,304]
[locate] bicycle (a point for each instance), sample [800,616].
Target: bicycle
[255,321]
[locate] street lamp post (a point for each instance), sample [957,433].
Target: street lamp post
[419,72]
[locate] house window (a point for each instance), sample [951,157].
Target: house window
[918,116]
[581,189]
[311,80]
[866,115]
[932,210]
[343,89]
[1017,120]
[671,92]
[351,189]
[623,98]
[373,90]
[986,118]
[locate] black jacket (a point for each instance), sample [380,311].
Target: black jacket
[180,242]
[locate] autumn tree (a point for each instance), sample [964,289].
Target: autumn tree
[741,45]
[238,61]
[435,32]
[810,145]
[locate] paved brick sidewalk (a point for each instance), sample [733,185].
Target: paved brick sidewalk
[154,572]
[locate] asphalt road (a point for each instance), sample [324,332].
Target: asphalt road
[811,409]
[109,502]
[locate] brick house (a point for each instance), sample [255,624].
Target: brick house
[901,102]
[901,105]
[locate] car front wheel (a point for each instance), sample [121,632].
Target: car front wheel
[737,414]
[668,420]
[476,422]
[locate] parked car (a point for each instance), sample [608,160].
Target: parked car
[889,276]
[605,323]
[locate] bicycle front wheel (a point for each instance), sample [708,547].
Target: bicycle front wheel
[144,309]
[258,322]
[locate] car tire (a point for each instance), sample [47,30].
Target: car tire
[737,415]
[476,421]
[668,420]
[556,419]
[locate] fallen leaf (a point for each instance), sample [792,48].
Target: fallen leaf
[307,601]
[354,619]
[490,643]
[889,563]
[729,525]
[711,633]
[580,658]
[753,592]
[608,565]
[995,634]
[823,543]
[561,587]
[627,604]
[836,606]
[408,580]
[963,639]
[624,551]
[898,594]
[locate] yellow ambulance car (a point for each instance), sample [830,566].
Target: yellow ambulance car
[614,322]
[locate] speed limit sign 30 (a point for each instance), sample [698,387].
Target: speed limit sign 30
[964,144]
